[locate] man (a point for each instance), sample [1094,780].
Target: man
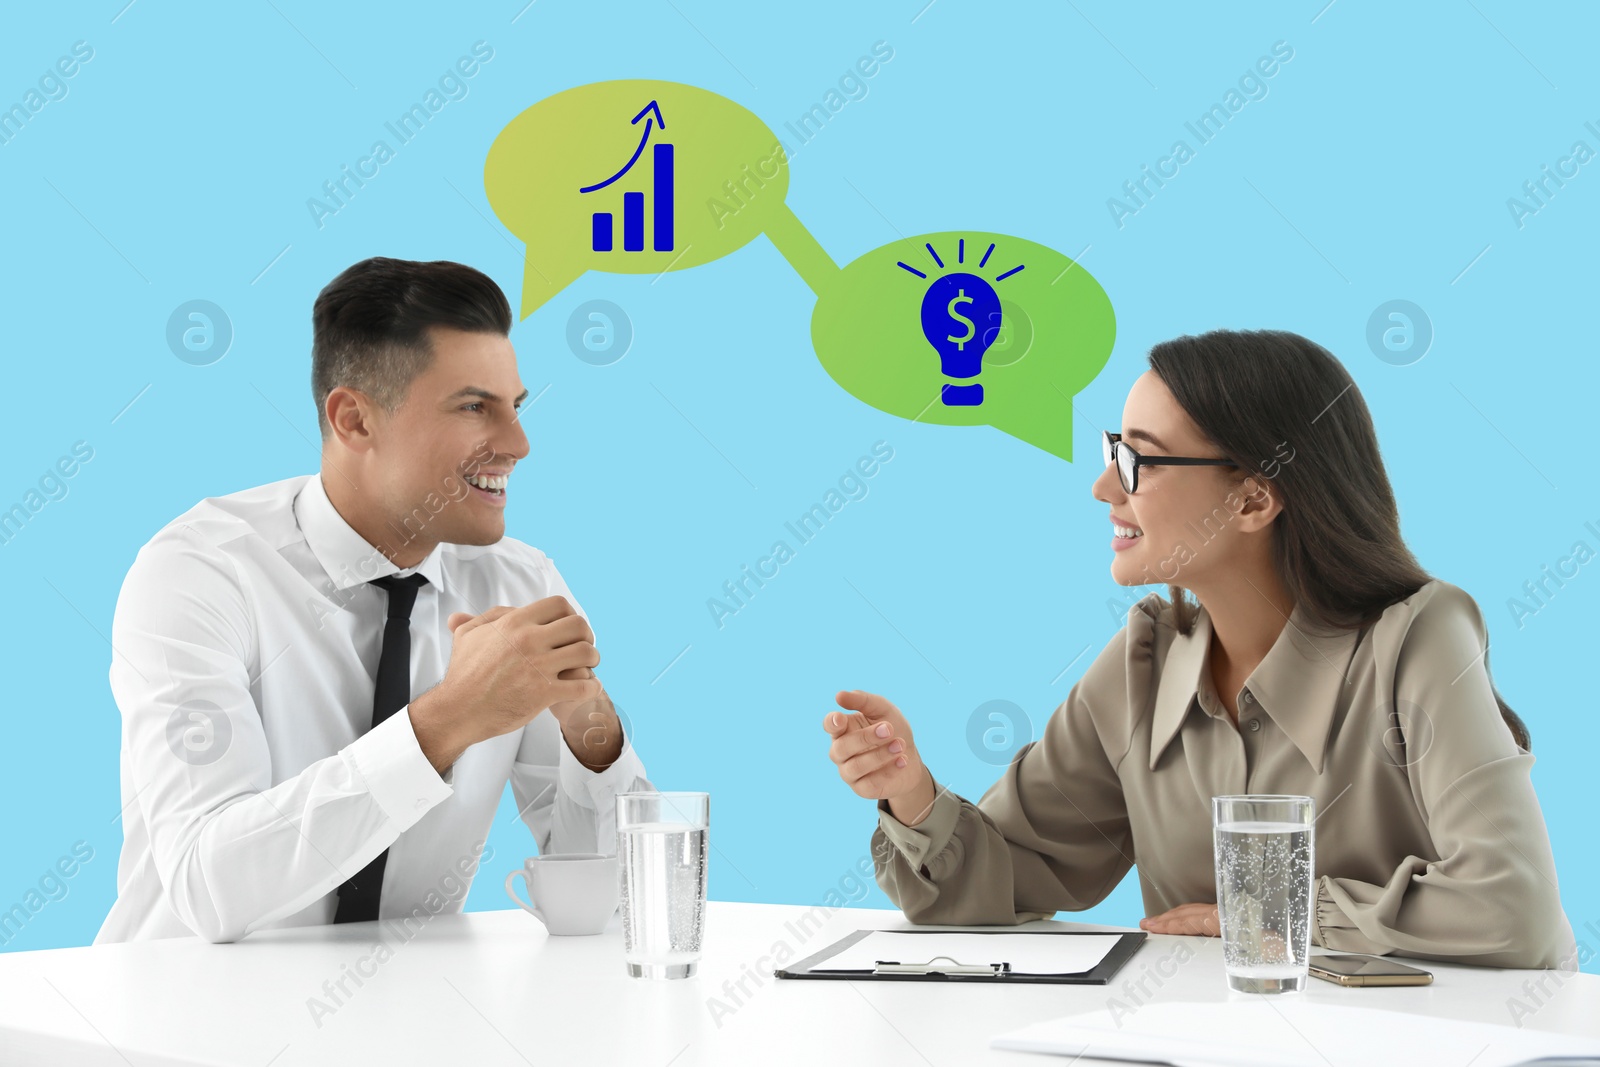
[327,681]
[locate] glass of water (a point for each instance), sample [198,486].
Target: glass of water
[661,841]
[1264,889]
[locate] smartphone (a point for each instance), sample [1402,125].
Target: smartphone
[1366,970]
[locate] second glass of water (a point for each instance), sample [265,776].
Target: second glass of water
[1265,889]
[661,842]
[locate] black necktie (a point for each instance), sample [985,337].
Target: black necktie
[358,896]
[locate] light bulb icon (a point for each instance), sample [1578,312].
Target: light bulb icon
[960,319]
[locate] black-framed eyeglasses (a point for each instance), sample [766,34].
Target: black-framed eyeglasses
[1128,461]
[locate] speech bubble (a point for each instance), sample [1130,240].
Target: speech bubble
[676,177]
[944,328]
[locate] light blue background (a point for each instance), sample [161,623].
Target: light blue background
[1377,167]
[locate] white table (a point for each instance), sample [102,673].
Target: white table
[488,988]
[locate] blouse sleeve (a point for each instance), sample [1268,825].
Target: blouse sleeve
[1052,834]
[1490,898]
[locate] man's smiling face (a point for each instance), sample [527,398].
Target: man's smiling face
[456,431]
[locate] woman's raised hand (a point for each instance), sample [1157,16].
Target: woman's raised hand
[876,756]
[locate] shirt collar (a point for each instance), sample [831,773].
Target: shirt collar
[349,558]
[1297,683]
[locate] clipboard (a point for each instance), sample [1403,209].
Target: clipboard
[945,968]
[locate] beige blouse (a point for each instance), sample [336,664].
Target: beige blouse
[1429,840]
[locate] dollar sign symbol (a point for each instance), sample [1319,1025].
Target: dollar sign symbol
[961,297]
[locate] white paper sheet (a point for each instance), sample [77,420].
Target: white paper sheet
[1290,1032]
[1027,953]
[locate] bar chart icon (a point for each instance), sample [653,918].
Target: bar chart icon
[634,202]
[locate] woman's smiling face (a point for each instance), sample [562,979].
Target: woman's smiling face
[1187,517]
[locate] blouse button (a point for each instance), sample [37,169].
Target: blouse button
[1254,724]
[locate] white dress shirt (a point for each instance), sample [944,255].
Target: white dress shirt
[245,649]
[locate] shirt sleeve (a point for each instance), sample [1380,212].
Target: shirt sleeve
[234,849]
[567,806]
[1051,835]
[1490,896]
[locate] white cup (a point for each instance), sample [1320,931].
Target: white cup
[572,892]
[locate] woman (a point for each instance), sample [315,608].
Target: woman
[1321,659]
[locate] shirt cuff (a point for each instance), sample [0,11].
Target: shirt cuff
[595,789]
[1328,918]
[929,837]
[390,760]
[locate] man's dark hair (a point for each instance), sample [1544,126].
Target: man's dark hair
[369,326]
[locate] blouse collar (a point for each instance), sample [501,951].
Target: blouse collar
[1298,683]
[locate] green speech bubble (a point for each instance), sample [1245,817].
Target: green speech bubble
[722,177]
[1031,341]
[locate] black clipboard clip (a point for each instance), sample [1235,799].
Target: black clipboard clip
[994,970]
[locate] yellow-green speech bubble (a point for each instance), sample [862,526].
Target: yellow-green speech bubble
[632,177]
[966,328]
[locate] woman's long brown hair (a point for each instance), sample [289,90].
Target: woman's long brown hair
[1337,542]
